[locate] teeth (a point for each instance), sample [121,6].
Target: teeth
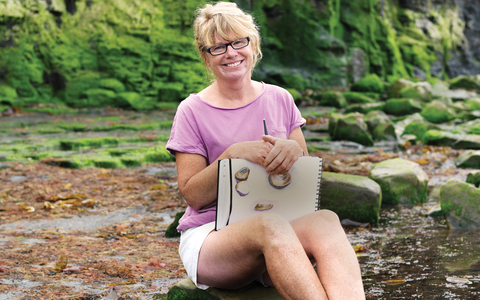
[234,64]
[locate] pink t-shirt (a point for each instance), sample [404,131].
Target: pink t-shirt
[201,128]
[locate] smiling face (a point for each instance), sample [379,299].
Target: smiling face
[233,64]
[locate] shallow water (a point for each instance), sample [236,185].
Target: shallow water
[412,256]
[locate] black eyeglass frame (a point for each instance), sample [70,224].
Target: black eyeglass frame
[226,46]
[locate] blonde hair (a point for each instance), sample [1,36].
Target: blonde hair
[225,19]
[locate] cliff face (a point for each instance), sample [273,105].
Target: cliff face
[137,53]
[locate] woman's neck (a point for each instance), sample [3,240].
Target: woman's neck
[231,94]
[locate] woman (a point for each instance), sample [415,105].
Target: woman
[225,121]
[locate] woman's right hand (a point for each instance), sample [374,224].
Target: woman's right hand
[255,151]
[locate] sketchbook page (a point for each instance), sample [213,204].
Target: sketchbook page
[223,189]
[292,199]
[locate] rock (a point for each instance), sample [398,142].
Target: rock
[420,90]
[97,98]
[185,289]
[460,202]
[349,127]
[418,129]
[437,112]
[439,89]
[112,84]
[406,139]
[351,197]
[397,86]
[356,97]
[384,132]
[469,159]
[334,99]
[474,178]
[473,104]
[171,230]
[400,125]
[369,83]
[357,65]
[454,140]
[375,118]
[364,108]
[401,107]
[465,82]
[459,95]
[127,100]
[402,181]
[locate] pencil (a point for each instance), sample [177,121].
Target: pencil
[265,127]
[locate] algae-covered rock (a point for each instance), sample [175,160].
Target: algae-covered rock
[375,118]
[418,129]
[351,197]
[356,98]
[397,86]
[349,127]
[112,84]
[334,99]
[82,82]
[468,159]
[420,90]
[437,112]
[171,230]
[7,92]
[460,202]
[185,289]
[454,140]
[401,107]
[159,154]
[365,108]
[465,82]
[402,181]
[384,132]
[474,178]
[96,98]
[369,83]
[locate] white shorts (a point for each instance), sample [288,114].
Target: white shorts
[191,240]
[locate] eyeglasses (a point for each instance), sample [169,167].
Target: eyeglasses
[222,48]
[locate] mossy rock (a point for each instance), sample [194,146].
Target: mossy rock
[384,132]
[369,83]
[365,108]
[437,112]
[112,84]
[349,127]
[402,181]
[418,129]
[468,159]
[397,86]
[7,92]
[421,91]
[82,82]
[351,197]
[401,107]
[460,202]
[465,82]
[97,98]
[454,140]
[134,100]
[297,97]
[473,104]
[357,98]
[169,91]
[159,154]
[334,99]
[374,118]
[171,230]
[474,178]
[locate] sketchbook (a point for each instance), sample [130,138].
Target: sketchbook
[246,189]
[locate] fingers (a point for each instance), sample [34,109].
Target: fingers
[282,156]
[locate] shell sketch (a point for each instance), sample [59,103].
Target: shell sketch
[242,188]
[279,181]
[242,174]
[261,207]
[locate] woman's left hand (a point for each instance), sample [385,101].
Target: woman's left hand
[282,156]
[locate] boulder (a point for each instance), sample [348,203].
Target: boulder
[185,289]
[369,83]
[334,99]
[384,132]
[473,103]
[351,197]
[112,84]
[400,125]
[420,90]
[460,202]
[402,181]
[437,112]
[418,129]
[468,159]
[439,89]
[97,98]
[459,95]
[365,108]
[349,127]
[474,178]
[397,86]
[454,140]
[375,118]
[401,107]
[465,82]
[356,97]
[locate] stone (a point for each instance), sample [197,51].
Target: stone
[384,132]
[459,95]
[454,140]
[364,108]
[369,83]
[439,89]
[460,203]
[351,197]
[401,107]
[469,159]
[356,97]
[400,125]
[420,90]
[357,65]
[465,82]
[349,127]
[418,129]
[112,84]
[437,112]
[402,181]
[97,98]
[185,289]
[397,86]
[334,99]
[375,118]
[474,178]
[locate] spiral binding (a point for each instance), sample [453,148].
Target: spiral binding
[319,195]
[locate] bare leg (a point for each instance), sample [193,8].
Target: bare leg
[237,254]
[324,239]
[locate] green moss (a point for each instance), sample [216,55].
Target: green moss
[416,128]
[159,154]
[354,98]
[369,83]
[334,99]
[171,230]
[89,143]
[400,107]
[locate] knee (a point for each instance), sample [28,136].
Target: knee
[272,226]
[328,221]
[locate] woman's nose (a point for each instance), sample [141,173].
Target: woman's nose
[231,51]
